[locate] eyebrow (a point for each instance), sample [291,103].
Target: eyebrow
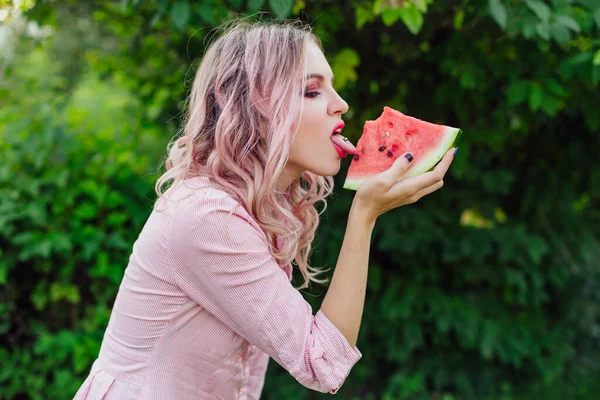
[319,77]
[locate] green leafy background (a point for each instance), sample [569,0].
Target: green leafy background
[487,289]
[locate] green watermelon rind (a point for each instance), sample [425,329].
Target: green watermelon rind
[425,165]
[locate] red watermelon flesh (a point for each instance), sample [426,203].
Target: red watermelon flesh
[392,135]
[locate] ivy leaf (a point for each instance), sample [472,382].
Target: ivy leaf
[498,12]
[281,8]
[540,9]
[180,14]
[255,5]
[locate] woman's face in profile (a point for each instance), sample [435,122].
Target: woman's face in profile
[312,149]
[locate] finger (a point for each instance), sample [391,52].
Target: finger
[409,186]
[427,190]
[435,175]
[400,165]
[443,165]
[416,183]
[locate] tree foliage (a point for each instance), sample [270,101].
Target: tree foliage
[490,288]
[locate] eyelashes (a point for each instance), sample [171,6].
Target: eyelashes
[311,95]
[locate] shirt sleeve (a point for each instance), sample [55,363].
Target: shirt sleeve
[222,261]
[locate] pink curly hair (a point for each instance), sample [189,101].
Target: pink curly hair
[242,115]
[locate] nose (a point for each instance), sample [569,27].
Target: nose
[338,105]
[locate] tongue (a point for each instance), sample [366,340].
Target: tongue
[343,143]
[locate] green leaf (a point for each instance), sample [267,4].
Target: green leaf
[412,18]
[390,15]
[459,18]
[498,12]
[561,34]
[537,248]
[543,30]
[528,26]
[556,88]
[540,9]
[379,6]
[281,8]
[536,96]
[551,105]
[255,5]
[421,5]
[591,4]
[86,210]
[162,6]
[344,67]
[517,92]
[574,64]
[206,14]
[236,4]
[596,60]
[489,339]
[180,14]
[560,3]
[596,75]
[3,272]
[568,22]
[597,16]
[125,4]
[363,15]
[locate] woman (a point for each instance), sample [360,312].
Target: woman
[206,298]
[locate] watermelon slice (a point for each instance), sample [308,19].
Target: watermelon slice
[392,135]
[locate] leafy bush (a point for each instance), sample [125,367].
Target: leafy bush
[489,288]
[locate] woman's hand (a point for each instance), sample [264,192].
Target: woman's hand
[387,190]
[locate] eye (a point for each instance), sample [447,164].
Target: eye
[311,94]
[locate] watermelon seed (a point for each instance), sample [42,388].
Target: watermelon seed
[390,154]
[355,157]
[387,133]
[382,148]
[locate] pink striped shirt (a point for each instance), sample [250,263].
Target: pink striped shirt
[203,305]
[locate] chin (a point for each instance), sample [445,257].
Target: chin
[330,169]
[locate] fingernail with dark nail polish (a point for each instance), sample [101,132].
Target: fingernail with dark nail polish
[455,150]
[409,157]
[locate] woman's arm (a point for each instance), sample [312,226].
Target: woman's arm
[345,298]
[343,305]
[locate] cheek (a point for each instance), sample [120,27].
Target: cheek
[308,143]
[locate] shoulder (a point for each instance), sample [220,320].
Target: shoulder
[205,207]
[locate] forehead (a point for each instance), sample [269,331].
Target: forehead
[316,62]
